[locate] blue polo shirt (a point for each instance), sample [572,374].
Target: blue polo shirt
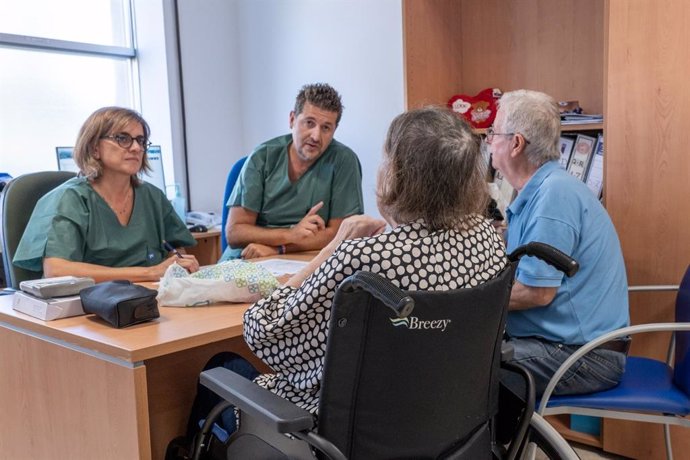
[557,209]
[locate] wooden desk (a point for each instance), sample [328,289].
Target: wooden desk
[207,249]
[86,390]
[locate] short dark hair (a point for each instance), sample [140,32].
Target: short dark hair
[104,122]
[432,169]
[321,95]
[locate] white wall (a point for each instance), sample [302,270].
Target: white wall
[156,103]
[243,62]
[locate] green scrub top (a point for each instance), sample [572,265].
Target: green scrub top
[73,222]
[265,188]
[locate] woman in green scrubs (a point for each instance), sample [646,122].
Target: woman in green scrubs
[106,223]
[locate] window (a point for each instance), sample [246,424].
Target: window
[59,61]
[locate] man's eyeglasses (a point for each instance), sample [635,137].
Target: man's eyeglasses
[490,133]
[125,141]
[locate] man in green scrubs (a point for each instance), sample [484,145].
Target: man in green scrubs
[295,190]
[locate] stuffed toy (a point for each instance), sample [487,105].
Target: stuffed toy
[479,110]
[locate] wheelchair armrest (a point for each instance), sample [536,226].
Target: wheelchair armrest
[589,346]
[276,412]
[548,254]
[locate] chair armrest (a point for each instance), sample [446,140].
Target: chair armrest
[586,348]
[653,287]
[277,413]
[548,254]
[507,351]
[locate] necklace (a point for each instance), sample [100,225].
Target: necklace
[126,205]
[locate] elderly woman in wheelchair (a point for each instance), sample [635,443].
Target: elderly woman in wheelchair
[432,192]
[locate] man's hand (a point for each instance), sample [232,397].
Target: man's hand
[309,226]
[352,227]
[254,250]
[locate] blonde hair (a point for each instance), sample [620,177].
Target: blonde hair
[432,169]
[105,121]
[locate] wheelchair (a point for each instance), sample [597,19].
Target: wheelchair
[407,374]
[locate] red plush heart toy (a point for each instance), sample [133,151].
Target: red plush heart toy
[479,110]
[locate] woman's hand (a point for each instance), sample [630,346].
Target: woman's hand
[55,266]
[357,227]
[187,261]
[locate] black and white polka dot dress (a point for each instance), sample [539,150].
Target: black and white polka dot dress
[288,329]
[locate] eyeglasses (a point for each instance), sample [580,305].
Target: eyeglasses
[125,141]
[490,133]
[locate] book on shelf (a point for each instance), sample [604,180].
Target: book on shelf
[565,146]
[580,118]
[595,175]
[582,153]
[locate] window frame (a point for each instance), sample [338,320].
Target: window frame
[51,44]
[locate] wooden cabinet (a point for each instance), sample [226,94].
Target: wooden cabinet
[207,249]
[627,59]
[454,46]
[647,109]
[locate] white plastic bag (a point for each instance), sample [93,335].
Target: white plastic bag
[231,281]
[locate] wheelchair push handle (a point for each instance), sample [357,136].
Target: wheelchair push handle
[382,289]
[548,254]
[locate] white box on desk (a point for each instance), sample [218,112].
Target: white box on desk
[47,309]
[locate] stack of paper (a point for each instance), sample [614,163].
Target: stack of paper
[580,118]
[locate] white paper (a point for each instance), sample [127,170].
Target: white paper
[282,266]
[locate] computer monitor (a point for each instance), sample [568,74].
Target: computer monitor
[65,158]
[155,176]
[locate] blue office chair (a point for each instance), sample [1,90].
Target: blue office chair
[651,390]
[229,185]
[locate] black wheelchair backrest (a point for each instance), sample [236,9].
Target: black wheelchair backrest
[413,382]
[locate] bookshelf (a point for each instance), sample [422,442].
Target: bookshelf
[452,46]
[582,127]
[621,58]
[565,128]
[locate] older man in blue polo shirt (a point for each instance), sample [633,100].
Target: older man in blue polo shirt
[552,315]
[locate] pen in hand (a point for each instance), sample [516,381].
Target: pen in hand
[169,247]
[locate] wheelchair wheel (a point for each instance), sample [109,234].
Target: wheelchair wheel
[548,440]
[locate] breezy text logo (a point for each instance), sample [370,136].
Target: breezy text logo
[412,322]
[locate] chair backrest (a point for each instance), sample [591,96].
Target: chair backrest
[681,374]
[422,385]
[229,185]
[19,198]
